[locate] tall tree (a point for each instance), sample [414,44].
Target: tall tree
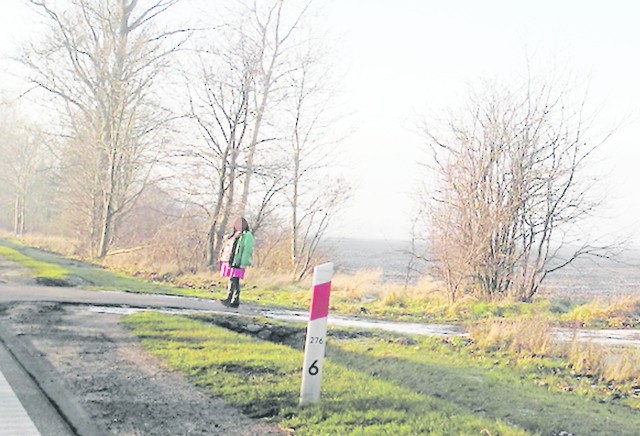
[23,162]
[101,62]
[240,79]
[219,103]
[314,196]
[272,31]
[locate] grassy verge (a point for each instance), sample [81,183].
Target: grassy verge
[378,384]
[263,380]
[527,345]
[508,344]
[69,272]
[363,294]
[40,269]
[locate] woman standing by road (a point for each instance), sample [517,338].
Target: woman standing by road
[234,258]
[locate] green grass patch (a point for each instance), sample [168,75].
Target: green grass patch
[505,309]
[40,269]
[384,384]
[410,308]
[263,380]
[280,297]
[492,384]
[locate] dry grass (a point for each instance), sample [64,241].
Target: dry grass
[361,286]
[530,337]
[606,364]
[264,278]
[142,262]
[621,366]
[368,288]
[585,358]
[522,336]
[368,285]
[426,298]
[618,312]
[427,291]
[57,244]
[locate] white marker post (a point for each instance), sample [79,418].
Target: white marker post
[316,335]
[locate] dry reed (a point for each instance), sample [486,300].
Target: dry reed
[522,336]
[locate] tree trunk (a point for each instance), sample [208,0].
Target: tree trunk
[105,226]
[19,212]
[211,246]
[252,147]
[294,225]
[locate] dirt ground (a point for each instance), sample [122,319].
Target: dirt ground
[123,389]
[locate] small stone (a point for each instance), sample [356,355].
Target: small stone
[406,341]
[253,328]
[264,334]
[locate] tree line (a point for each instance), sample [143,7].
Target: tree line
[156,132]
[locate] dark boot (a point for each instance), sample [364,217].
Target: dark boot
[234,292]
[230,292]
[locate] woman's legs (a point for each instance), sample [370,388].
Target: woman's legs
[233,292]
[235,298]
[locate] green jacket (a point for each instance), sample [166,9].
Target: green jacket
[243,251]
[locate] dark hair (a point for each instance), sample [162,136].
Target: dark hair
[240,225]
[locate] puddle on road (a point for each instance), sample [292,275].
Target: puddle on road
[604,337]
[398,327]
[293,316]
[619,338]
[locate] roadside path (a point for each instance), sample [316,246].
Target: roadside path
[128,300]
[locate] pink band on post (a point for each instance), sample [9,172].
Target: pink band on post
[320,301]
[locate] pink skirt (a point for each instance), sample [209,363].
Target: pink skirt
[228,271]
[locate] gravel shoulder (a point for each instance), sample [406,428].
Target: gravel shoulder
[121,387]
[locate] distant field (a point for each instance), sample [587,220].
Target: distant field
[391,256]
[586,278]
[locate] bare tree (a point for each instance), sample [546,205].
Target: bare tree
[23,162]
[314,222]
[418,252]
[313,195]
[101,61]
[272,31]
[219,102]
[514,188]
